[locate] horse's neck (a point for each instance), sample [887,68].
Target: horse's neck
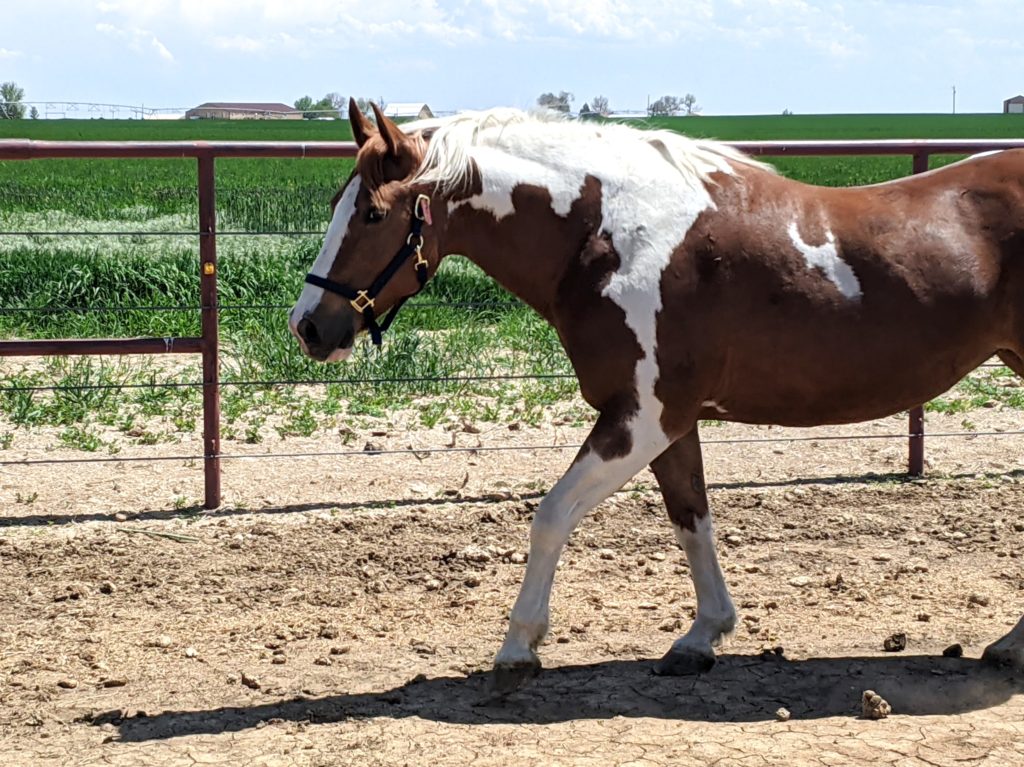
[520,226]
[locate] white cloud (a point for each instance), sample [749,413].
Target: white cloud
[7,54]
[138,40]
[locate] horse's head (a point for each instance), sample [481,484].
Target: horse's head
[380,246]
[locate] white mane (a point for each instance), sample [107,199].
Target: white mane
[451,139]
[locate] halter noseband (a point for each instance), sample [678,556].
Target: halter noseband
[363,300]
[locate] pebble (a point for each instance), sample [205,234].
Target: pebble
[328,632]
[115,681]
[475,554]
[323,662]
[978,599]
[782,714]
[340,650]
[191,652]
[518,558]
[68,684]
[953,651]
[250,681]
[163,641]
[895,642]
[874,706]
[606,554]
[472,581]
[120,517]
[800,581]
[107,587]
[278,660]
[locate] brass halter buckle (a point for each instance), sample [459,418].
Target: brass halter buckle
[362,301]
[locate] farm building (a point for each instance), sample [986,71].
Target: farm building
[243,111]
[407,111]
[1014,105]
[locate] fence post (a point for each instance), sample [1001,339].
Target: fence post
[210,331]
[915,425]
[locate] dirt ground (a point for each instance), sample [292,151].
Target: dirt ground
[344,611]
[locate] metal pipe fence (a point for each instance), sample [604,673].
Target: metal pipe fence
[207,343]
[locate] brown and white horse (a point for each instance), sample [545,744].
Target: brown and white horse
[685,281]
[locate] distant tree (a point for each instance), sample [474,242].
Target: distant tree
[690,105]
[305,105]
[11,97]
[600,105]
[666,105]
[336,100]
[33,113]
[363,104]
[560,103]
[787,112]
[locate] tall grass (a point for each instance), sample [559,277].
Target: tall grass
[463,324]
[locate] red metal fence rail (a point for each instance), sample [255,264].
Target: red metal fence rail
[206,153]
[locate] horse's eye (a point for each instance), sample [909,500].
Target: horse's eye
[375,214]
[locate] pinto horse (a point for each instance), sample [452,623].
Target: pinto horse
[685,281]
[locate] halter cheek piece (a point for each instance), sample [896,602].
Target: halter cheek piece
[363,300]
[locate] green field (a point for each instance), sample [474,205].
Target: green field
[93,281]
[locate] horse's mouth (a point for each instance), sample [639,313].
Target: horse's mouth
[339,355]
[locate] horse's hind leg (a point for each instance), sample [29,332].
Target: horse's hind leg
[1009,651]
[1012,360]
[680,473]
[613,452]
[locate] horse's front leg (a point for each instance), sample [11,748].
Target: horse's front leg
[615,450]
[680,473]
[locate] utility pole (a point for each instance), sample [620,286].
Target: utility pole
[954,99]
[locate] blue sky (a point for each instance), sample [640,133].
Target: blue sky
[736,56]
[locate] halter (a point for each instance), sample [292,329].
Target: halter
[363,300]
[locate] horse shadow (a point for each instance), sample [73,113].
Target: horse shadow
[738,689]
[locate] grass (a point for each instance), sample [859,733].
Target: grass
[463,326]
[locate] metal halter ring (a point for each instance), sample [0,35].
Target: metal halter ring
[408,241]
[422,208]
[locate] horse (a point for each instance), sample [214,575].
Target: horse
[686,281]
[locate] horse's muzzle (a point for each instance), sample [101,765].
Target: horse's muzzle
[322,340]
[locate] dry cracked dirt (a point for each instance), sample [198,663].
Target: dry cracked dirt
[338,612]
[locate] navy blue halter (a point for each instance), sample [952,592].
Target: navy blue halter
[363,300]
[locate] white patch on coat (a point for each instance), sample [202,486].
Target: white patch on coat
[654,185]
[826,257]
[310,296]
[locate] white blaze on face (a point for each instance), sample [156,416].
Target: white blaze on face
[311,294]
[826,257]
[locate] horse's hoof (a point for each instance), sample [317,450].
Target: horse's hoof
[684,662]
[1005,655]
[509,677]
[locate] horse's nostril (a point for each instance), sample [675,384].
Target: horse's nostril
[307,331]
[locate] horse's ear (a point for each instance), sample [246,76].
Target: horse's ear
[390,132]
[362,128]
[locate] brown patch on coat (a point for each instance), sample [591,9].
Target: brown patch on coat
[680,474]
[748,324]
[563,283]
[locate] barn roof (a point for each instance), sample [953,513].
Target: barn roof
[243,106]
[1018,99]
[405,109]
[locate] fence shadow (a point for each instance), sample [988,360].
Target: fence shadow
[155,515]
[739,689]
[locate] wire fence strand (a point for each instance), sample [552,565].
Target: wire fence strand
[420,452]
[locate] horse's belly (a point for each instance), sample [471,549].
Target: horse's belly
[818,395]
